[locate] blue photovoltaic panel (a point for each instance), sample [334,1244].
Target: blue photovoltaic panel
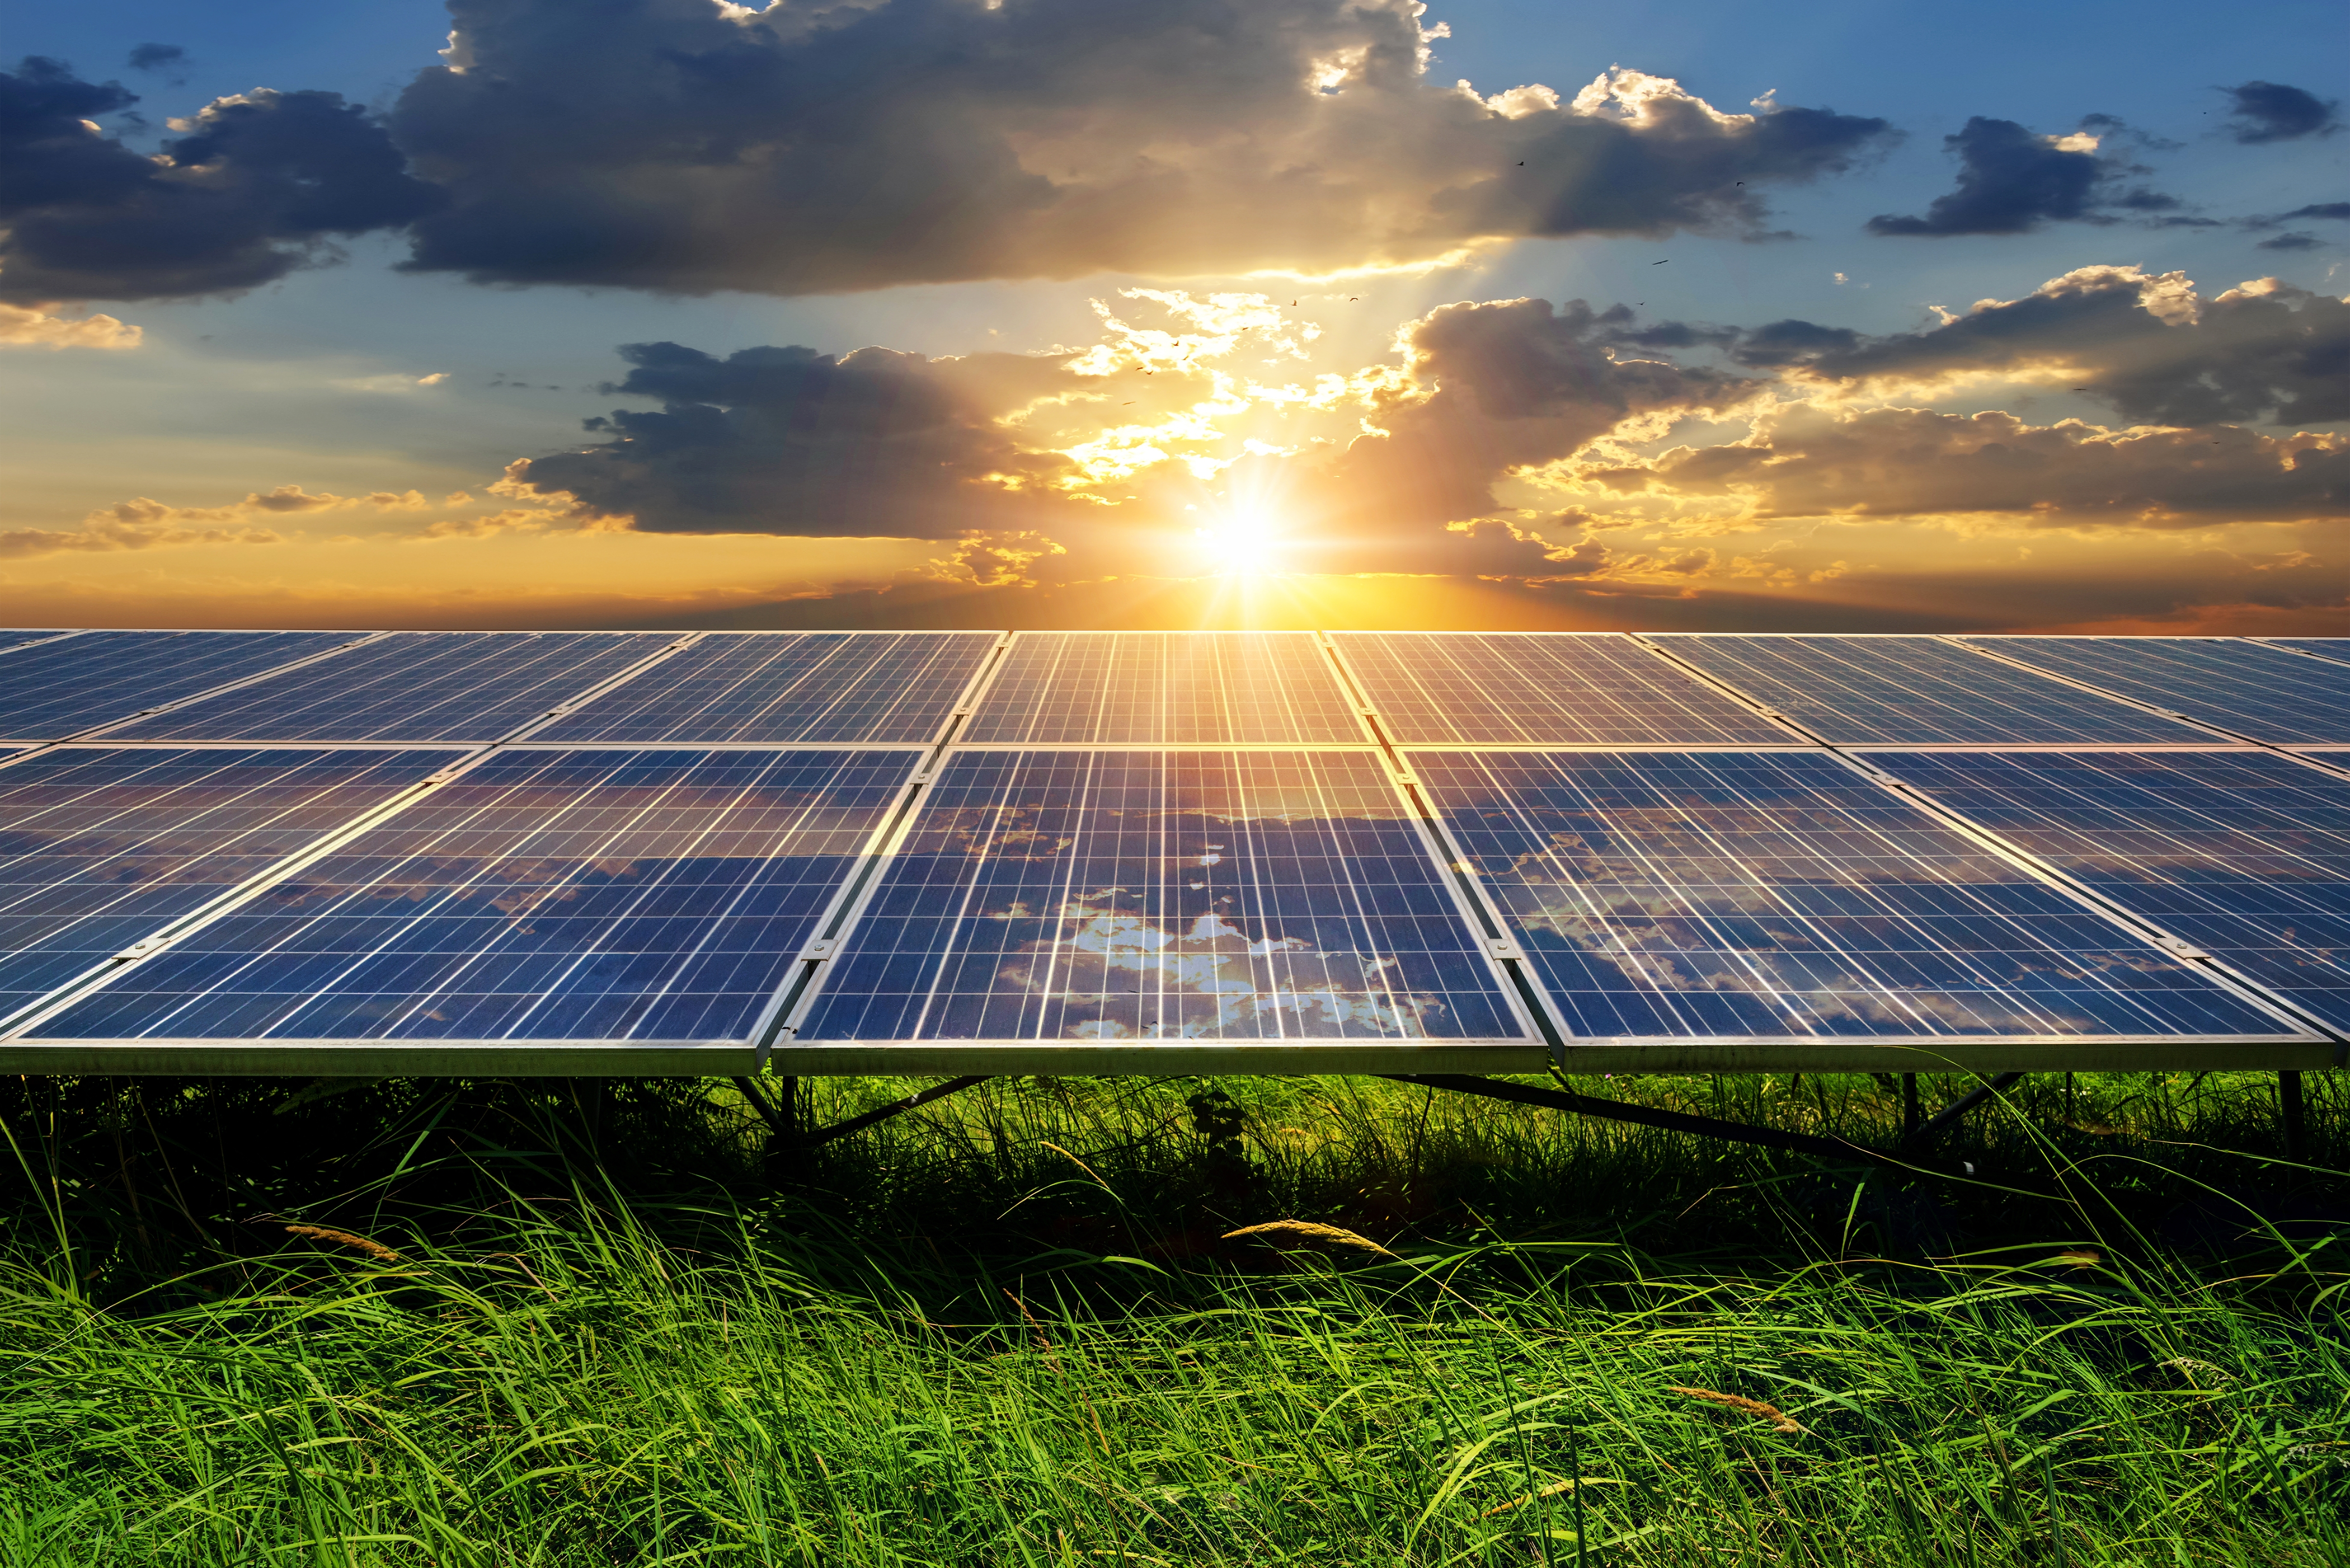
[1164,688]
[465,686]
[1540,689]
[1780,894]
[100,847]
[2247,687]
[1161,896]
[808,687]
[1851,690]
[606,895]
[11,639]
[2245,854]
[47,693]
[2335,647]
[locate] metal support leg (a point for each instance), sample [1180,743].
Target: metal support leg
[782,1120]
[895,1107]
[2289,1105]
[1956,1111]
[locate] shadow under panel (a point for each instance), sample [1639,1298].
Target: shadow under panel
[2248,687]
[462,686]
[2246,853]
[653,895]
[49,693]
[1905,691]
[103,847]
[1540,689]
[1164,688]
[837,688]
[1193,896]
[1783,895]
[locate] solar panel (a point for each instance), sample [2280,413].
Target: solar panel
[468,686]
[67,687]
[1164,688]
[610,895]
[15,639]
[105,847]
[1539,688]
[2243,854]
[1692,895]
[2335,647]
[2248,687]
[1914,689]
[821,687]
[1212,896]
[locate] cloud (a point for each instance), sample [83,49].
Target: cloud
[2148,344]
[2270,112]
[1808,462]
[681,146]
[251,190]
[23,327]
[2013,179]
[144,524]
[788,441]
[169,58]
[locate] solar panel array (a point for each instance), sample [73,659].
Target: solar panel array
[1381,844]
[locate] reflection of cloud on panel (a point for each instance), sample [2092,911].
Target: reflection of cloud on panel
[1182,979]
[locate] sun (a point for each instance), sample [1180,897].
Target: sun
[1244,544]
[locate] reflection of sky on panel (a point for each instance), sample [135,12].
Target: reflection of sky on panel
[100,676]
[412,686]
[1164,688]
[2248,687]
[834,687]
[1161,896]
[616,895]
[1781,894]
[1534,689]
[98,849]
[2246,855]
[1916,690]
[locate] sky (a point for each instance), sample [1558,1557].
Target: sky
[1101,313]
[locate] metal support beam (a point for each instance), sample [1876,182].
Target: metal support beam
[1956,1112]
[1671,1121]
[783,1122]
[883,1113]
[2294,1114]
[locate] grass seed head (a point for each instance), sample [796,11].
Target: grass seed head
[1780,1420]
[1307,1230]
[373,1249]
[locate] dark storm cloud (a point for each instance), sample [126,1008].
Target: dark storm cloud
[252,193]
[670,145]
[789,441]
[2317,209]
[2011,180]
[2290,243]
[2147,344]
[2271,111]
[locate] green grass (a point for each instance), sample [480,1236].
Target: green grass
[1010,1328]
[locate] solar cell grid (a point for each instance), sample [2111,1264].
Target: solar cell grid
[614,895]
[2245,854]
[465,686]
[1176,896]
[2334,648]
[1540,689]
[1914,689]
[2248,687]
[102,848]
[1164,688]
[1781,895]
[64,688]
[778,687]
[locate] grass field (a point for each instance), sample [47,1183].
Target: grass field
[406,1324]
